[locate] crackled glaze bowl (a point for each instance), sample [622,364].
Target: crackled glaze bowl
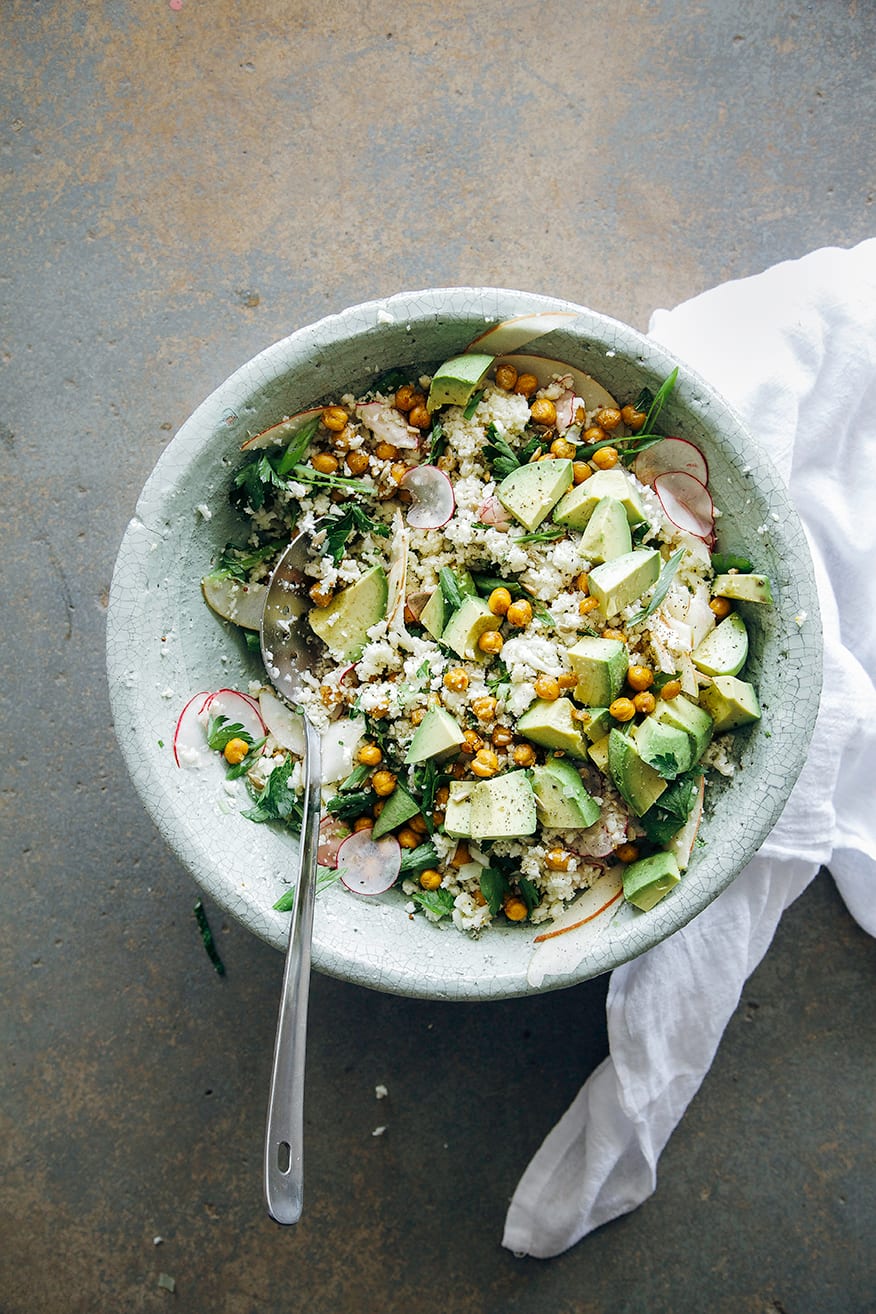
[164,644]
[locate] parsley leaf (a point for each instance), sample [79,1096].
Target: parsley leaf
[339,528]
[667,816]
[418,859]
[221,731]
[237,562]
[494,886]
[437,902]
[665,764]
[278,800]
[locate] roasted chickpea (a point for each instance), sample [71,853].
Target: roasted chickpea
[506,377]
[461,856]
[363,823]
[586,605]
[501,737]
[557,860]
[419,417]
[526,385]
[670,690]
[491,642]
[320,594]
[485,763]
[524,755]
[632,418]
[334,418]
[405,397]
[610,633]
[386,451]
[547,687]
[543,411]
[407,838]
[583,582]
[499,601]
[568,680]
[235,751]
[417,715]
[471,742]
[627,852]
[605,458]
[519,613]
[356,462]
[484,707]
[622,709]
[398,470]
[563,449]
[645,702]
[370,755]
[324,462]
[383,783]
[430,879]
[455,680]
[721,607]
[640,677]
[515,909]
[608,418]
[594,434]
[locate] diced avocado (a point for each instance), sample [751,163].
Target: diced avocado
[465,627]
[344,624]
[608,532]
[616,584]
[455,382]
[648,880]
[684,715]
[397,807]
[638,784]
[601,667]
[531,491]
[561,800]
[595,722]
[598,753]
[579,504]
[503,807]
[552,724]
[457,812]
[730,703]
[724,650]
[436,735]
[667,748]
[743,588]
[434,614]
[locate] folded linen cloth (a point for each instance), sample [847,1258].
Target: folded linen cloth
[794,350]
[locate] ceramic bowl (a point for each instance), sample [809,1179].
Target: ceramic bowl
[164,644]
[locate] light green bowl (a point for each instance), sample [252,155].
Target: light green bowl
[165,645]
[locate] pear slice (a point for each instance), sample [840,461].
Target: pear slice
[233,600]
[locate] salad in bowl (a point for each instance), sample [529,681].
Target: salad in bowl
[532,654]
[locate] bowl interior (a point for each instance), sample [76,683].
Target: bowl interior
[164,644]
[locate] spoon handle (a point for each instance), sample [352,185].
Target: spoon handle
[284,1136]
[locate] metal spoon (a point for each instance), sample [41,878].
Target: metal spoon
[288,648]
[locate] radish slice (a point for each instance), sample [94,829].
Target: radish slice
[189,741]
[562,947]
[492,512]
[669,455]
[687,502]
[514,333]
[432,492]
[340,739]
[280,435]
[235,601]
[567,406]
[332,833]
[388,424]
[284,724]
[592,393]
[235,707]
[372,866]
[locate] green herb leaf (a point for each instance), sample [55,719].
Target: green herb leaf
[221,731]
[418,859]
[665,817]
[724,561]
[356,779]
[661,397]
[298,447]
[352,804]
[472,405]
[437,902]
[528,892]
[240,768]
[501,458]
[278,800]
[494,887]
[305,474]
[665,764]
[341,525]
[667,575]
[450,587]
[437,443]
[207,938]
[237,562]
[549,535]
[325,876]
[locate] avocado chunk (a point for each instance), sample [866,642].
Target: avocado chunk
[598,753]
[743,588]
[647,881]
[578,505]
[455,382]
[457,813]
[503,807]
[730,703]
[398,807]
[616,584]
[552,724]
[434,614]
[601,667]
[595,722]
[684,715]
[667,748]
[465,627]
[638,784]
[344,624]
[531,491]
[724,650]
[437,735]
[561,800]
[608,532]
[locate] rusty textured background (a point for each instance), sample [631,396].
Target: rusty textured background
[184,183]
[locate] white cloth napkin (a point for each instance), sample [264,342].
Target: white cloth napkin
[794,350]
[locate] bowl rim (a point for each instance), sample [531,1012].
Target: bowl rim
[279,360]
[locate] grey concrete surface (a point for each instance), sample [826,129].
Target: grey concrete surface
[183,184]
